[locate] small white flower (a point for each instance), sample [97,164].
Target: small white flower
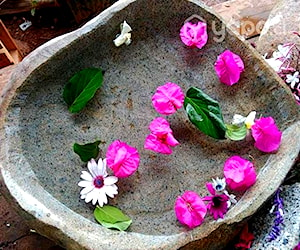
[231,200]
[238,120]
[96,184]
[219,184]
[283,51]
[275,63]
[250,119]
[292,79]
[125,36]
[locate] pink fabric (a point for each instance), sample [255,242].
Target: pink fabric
[239,173]
[168,98]
[229,67]
[266,135]
[161,138]
[190,210]
[194,35]
[122,159]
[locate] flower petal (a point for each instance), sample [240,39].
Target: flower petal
[89,196]
[190,209]
[194,35]
[229,67]
[102,199]
[168,98]
[110,180]
[266,135]
[122,159]
[152,143]
[111,191]
[91,166]
[87,189]
[239,173]
[84,183]
[86,176]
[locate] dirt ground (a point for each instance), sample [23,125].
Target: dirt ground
[46,24]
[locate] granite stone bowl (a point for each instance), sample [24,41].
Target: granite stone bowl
[40,171]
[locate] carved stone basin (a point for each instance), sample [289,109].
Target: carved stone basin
[40,171]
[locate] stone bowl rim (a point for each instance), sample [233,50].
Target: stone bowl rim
[50,214]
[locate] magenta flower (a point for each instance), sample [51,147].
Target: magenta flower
[122,159]
[266,135]
[229,67]
[190,210]
[239,173]
[245,239]
[168,98]
[217,204]
[161,138]
[194,35]
[297,247]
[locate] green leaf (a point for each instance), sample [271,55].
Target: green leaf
[112,217]
[87,151]
[81,88]
[236,133]
[204,112]
[122,226]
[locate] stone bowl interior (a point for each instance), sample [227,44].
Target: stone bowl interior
[38,131]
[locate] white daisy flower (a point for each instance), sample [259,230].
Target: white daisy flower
[219,184]
[96,184]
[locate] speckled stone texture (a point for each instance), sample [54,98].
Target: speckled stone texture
[290,232]
[283,20]
[40,171]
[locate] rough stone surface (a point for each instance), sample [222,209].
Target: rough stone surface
[37,119]
[262,222]
[283,20]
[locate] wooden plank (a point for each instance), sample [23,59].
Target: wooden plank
[5,57]
[6,38]
[9,48]
[247,17]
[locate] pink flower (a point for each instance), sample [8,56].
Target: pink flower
[239,173]
[194,35]
[229,67]
[190,210]
[266,135]
[122,159]
[297,247]
[246,239]
[217,204]
[161,138]
[168,98]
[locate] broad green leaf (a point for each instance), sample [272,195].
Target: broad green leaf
[112,217]
[81,88]
[87,151]
[204,112]
[236,133]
